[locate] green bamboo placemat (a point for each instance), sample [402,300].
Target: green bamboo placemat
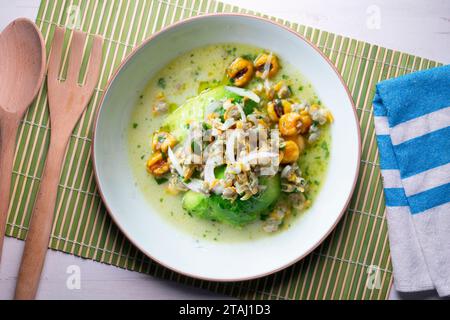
[353,262]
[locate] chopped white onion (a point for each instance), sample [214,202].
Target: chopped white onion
[297,107]
[241,111]
[218,188]
[215,132]
[210,165]
[261,155]
[285,171]
[267,84]
[195,185]
[213,106]
[175,162]
[267,66]
[230,146]
[228,124]
[227,104]
[244,93]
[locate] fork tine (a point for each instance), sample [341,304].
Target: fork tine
[55,55]
[93,68]
[76,55]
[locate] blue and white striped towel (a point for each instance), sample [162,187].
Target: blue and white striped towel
[412,122]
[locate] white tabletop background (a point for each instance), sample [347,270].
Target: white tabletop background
[419,27]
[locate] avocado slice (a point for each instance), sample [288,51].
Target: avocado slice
[196,203]
[238,212]
[194,110]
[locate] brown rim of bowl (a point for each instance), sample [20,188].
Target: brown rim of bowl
[148,254]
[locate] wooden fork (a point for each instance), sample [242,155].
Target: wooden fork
[67,101]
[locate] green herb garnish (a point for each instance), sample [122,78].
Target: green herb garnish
[249,56]
[290,89]
[324,147]
[172,107]
[162,83]
[161,180]
[195,146]
[204,85]
[249,106]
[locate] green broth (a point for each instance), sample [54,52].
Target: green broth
[180,80]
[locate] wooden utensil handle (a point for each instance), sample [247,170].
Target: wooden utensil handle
[41,222]
[8,132]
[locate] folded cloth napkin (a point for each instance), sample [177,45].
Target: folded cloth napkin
[412,123]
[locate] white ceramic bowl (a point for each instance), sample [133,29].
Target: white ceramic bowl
[151,232]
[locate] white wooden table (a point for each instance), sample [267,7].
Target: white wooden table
[420,27]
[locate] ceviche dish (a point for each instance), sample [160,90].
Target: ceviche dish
[230,142]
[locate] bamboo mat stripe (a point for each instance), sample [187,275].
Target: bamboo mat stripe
[352,263]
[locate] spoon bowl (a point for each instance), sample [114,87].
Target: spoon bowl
[22,65]
[22,71]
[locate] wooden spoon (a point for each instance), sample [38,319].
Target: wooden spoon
[67,101]
[22,70]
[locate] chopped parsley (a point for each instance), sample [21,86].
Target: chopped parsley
[195,146]
[161,180]
[162,83]
[249,56]
[324,147]
[231,51]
